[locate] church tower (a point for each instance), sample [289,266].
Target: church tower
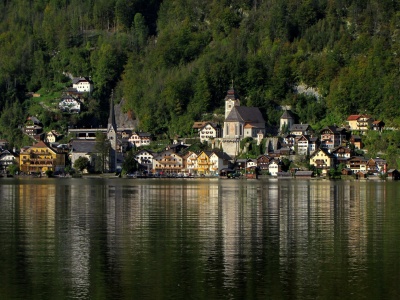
[231,100]
[112,135]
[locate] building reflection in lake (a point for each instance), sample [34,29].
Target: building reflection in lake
[124,232]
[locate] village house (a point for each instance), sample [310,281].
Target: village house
[275,167]
[40,158]
[332,136]
[342,154]
[393,174]
[322,160]
[377,166]
[218,161]
[209,131]
[139,139]
[203,162]
[302,145]
[8,158]
[360,123]
[299,130]
[52,136]
[190,163]
[82,84]
[145,158]
[356,141]
[356,164]
[378,125]
[263,162]
[69,104]
[167,162]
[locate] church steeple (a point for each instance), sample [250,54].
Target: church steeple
[111,118]
[231,100]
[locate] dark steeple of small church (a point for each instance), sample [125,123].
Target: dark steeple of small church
[111,117]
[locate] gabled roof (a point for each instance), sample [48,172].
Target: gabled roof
[145,151]
[222,155]
[75,80]
[199,125]
[245,114]
[330,155]
[83,146]
[300,127]
[333,129]
[353,117]
[287,114]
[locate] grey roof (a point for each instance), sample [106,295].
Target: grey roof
[83,146]
[245,114]
[300,127]
[287,114]
[222,155]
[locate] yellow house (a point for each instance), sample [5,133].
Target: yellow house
[39,158]
[322,159]
[204,163]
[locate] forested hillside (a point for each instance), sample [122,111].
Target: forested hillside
[173,61]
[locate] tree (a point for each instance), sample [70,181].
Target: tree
[130,164]
[81,163]
[102,152]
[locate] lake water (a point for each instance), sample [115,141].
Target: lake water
[199,239]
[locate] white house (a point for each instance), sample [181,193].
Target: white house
[209,131]
[82,84]
[140,139]
[7,158]
[145,158]
[69,104]
[274,167]
[190,162]
[219,161]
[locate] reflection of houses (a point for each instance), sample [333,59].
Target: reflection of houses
[322,159]
[7,158]
[140,139]
[40,158]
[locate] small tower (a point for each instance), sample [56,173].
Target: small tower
[286,120]
[231,100]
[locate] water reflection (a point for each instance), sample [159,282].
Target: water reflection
[218,239]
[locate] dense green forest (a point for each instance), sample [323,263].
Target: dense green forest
[173,61]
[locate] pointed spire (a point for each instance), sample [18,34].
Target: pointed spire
[111,117]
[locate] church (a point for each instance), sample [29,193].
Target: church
[240,122]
